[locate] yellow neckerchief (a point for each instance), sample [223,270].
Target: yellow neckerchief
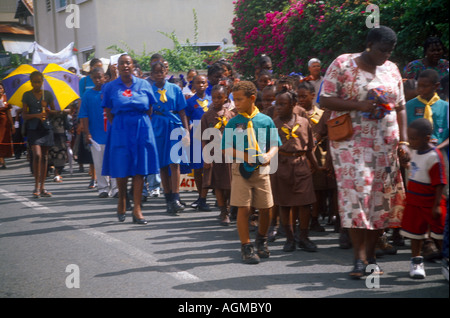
[252,141]
[290,133]
[428,113]
[311,117]
[222,122]
[203,104]
[163,97]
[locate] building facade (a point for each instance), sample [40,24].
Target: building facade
[95,25]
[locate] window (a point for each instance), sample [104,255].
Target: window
[60,5]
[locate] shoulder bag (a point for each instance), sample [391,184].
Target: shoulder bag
[341,128]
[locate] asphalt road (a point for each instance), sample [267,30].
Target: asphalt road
[71,246]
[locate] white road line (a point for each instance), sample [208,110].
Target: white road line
[132,251]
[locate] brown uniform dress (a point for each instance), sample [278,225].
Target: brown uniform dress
[292,183]
[218,176]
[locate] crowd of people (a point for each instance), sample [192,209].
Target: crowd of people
[279,162]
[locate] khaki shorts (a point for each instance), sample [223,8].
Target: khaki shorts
[253,192]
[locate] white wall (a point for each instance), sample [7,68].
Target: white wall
[136,22]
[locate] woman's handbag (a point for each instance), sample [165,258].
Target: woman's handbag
[340,128]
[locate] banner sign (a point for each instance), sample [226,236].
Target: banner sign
[64,58]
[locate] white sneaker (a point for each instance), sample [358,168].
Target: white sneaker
[416,268]
[155,193]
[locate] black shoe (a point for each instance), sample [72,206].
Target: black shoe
[121,217]
[289,246]
[262,248]
[203,206]
[103,195]
[177,206]
[307,245]
[194,204]
[248,254]
[174,208]
[139,221]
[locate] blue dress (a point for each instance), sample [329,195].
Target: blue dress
[130,147]
[195,113]
[166,120]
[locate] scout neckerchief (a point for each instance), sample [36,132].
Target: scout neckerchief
[222,122]
[203,104]
[428,113]
[163,97]
[290,133]
[252,141]
[311,117]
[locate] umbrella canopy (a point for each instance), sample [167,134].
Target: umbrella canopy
[59,81]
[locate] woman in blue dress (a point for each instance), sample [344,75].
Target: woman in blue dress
[130,149]
[169,118]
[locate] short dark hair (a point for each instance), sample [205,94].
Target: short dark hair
[247,87]
[95,61]
[219,87]
[431,74]
[215,68]
[432,40]
[35,74]
[422,126]
[97,70]
[266,73]
[263,59]
[306,85]
[383,34]
[291,94]
[154,64]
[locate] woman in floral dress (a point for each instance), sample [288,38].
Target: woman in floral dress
[367,165]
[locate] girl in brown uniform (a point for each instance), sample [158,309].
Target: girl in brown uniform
[292,184]
[217,174]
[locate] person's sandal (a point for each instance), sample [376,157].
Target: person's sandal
[358,270]
[46,194]
[36,194]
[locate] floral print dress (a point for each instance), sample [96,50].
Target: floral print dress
[370,186]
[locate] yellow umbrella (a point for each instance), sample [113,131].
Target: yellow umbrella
[62,83]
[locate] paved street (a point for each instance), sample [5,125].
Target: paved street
[190,256]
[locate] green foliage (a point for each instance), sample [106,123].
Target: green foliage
[15,61]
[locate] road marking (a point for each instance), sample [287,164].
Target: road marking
[134,252]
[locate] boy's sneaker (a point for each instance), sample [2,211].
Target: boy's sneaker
[445,268]
[416,268]
[248,254]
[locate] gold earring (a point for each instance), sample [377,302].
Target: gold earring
[368,50]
